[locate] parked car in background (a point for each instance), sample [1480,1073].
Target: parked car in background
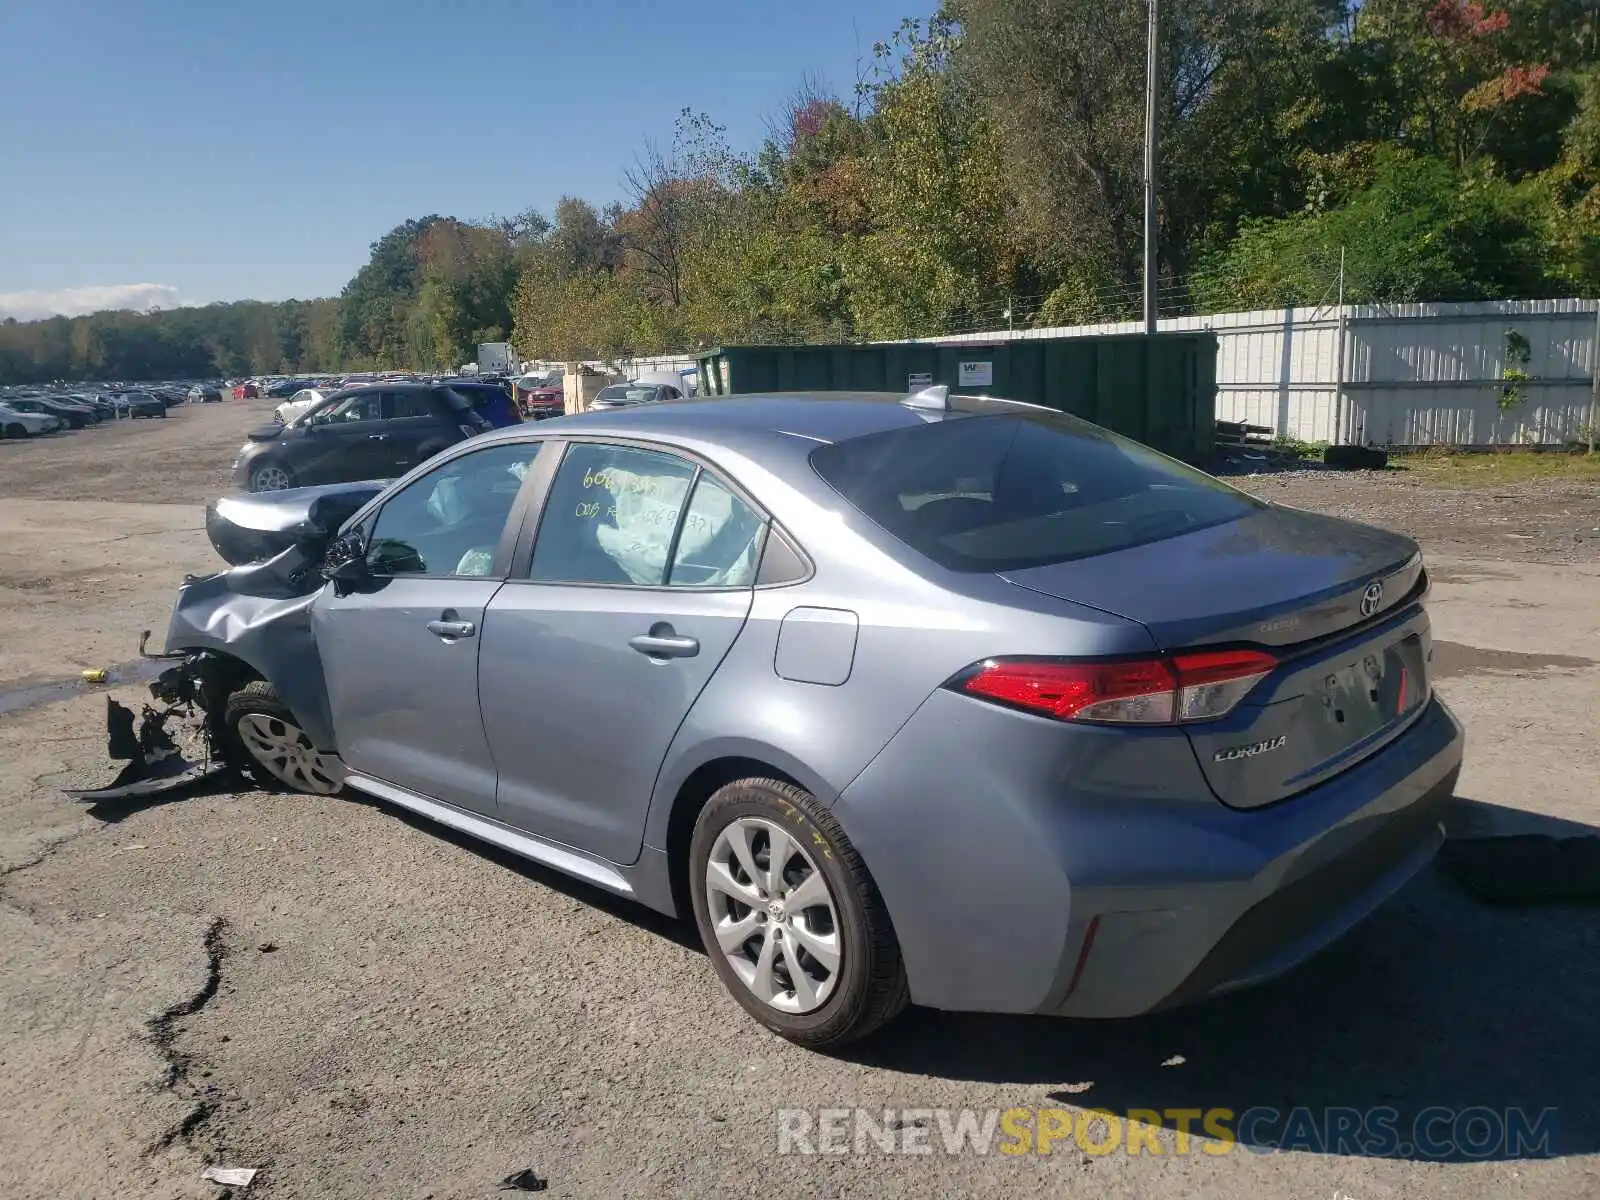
[492,400]
[297,404]
[370,432]
[541,397]
[282,389]
[21,423]
[204,393]
[627,395]
[101,404]
[140,404]
[248,390]
[74,416]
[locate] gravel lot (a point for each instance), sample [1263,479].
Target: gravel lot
[365,1006]
[1549,521]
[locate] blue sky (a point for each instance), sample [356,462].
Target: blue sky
[178,151]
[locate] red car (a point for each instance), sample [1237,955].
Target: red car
[246,391]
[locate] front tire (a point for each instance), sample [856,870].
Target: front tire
[265,740]
[270,476]
[790,916]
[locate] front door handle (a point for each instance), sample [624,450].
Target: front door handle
[665,645]
[377,437]
[452,629]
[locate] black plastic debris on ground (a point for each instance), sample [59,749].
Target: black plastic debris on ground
[153,761]
[1531,868]
[523,1181]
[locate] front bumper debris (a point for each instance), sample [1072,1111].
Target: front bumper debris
[176,742]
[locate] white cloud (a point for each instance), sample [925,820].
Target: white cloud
[72,302]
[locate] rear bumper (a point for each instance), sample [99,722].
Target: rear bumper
[1015,885]
[1306,913]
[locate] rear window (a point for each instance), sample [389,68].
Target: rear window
[1002,493]
[616,391]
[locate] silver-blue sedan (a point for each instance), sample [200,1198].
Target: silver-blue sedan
[935,699]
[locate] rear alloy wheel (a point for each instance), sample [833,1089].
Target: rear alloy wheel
[790,917]
[271,477]
[268,742]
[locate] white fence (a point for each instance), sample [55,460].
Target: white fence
[1396,374]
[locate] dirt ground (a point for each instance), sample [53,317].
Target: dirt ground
[1519,520]
[364,1006]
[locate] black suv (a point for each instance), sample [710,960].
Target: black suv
[372,432]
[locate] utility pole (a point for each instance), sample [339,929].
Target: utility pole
[1594,380]
[1338,363]
[1152,89]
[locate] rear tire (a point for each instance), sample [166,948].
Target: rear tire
[839,913]
[264,739]
[16,431]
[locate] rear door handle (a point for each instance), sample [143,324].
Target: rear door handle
[452,629]
[665,645]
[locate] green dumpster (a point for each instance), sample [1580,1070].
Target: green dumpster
[1160,390]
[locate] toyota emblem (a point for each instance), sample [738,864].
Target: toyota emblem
[1372,598]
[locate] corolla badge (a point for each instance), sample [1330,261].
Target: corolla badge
[1235,753]
[1372,598]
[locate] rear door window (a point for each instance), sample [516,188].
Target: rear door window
[611,516]
[1006,492]
[409,404]
[719,544]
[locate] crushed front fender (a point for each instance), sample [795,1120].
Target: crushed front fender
[260,615]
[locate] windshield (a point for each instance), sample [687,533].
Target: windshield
[1001,493]
[617,391]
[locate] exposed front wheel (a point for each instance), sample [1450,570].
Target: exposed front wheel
[790,917]
[268,742]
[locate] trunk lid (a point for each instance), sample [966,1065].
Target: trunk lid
[1335,601]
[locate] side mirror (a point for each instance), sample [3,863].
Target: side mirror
[345,562]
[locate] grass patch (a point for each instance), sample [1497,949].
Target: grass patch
[1497,467]
[1295,448]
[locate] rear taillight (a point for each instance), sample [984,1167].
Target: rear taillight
[1158,690]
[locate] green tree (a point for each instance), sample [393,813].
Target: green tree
[1418,231]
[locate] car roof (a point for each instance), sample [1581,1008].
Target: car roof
[782,425]
[812,416]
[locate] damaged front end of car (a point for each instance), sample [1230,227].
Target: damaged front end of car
[229,630]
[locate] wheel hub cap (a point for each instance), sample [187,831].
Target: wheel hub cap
[288,755]
[773,915]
